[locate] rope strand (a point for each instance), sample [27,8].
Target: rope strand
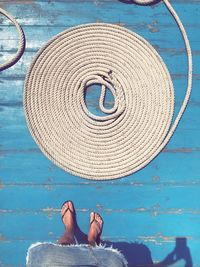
[189,85]
[21,48]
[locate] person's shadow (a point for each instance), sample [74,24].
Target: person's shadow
[139,255]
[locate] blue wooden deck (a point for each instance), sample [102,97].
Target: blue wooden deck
[153,206]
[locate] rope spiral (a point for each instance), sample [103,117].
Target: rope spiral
[131,133]
[21,48]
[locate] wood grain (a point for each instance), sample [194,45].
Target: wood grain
[153,206]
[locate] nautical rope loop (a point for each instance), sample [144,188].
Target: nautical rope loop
[20,50]
[133,131]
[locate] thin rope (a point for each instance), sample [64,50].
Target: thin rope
[189,85]
[21,47]
[133,131]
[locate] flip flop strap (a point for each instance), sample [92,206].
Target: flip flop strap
[94,220]
[66,211]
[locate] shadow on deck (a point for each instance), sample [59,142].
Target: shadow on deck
[139,255]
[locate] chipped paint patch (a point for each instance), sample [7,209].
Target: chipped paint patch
[1,185]
[136,184]
[2,238]
[153,26]
[50,211]
[20,151]
[50,233]
[182,150]
[155,211]
[4,3]
[141,209]
[155,178]
[99,206]
[120,24]
[178,150]
[49,187]
[5,211]
[98,21]
[159,239]
[96,2]
[51,167]
[23,2]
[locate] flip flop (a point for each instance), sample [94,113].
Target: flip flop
[72,211]
[100,227]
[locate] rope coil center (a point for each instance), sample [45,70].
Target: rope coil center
[106,83]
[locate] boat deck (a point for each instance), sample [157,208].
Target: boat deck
[145,212]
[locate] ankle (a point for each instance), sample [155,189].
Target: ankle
[69,230]
[68,233]
[67,239]
[92,241]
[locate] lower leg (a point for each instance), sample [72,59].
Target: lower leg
[68,217]
[96,226]
[66,239]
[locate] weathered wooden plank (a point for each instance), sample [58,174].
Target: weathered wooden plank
[8,45]
[157,231]
[18,167]
[73,11]
[153,199]
[163,34]
[176,65]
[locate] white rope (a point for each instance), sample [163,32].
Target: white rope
[131,133]
[145,2]
[20,50]
[189,85]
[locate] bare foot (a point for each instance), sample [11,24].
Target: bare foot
[96,226]
[68,218]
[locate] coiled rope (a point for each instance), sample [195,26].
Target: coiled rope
[131,133]
[21,47]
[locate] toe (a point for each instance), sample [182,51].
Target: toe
[63,209]
[98,222]
[99,219]
[70,205]
[65,206]
[92,214]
